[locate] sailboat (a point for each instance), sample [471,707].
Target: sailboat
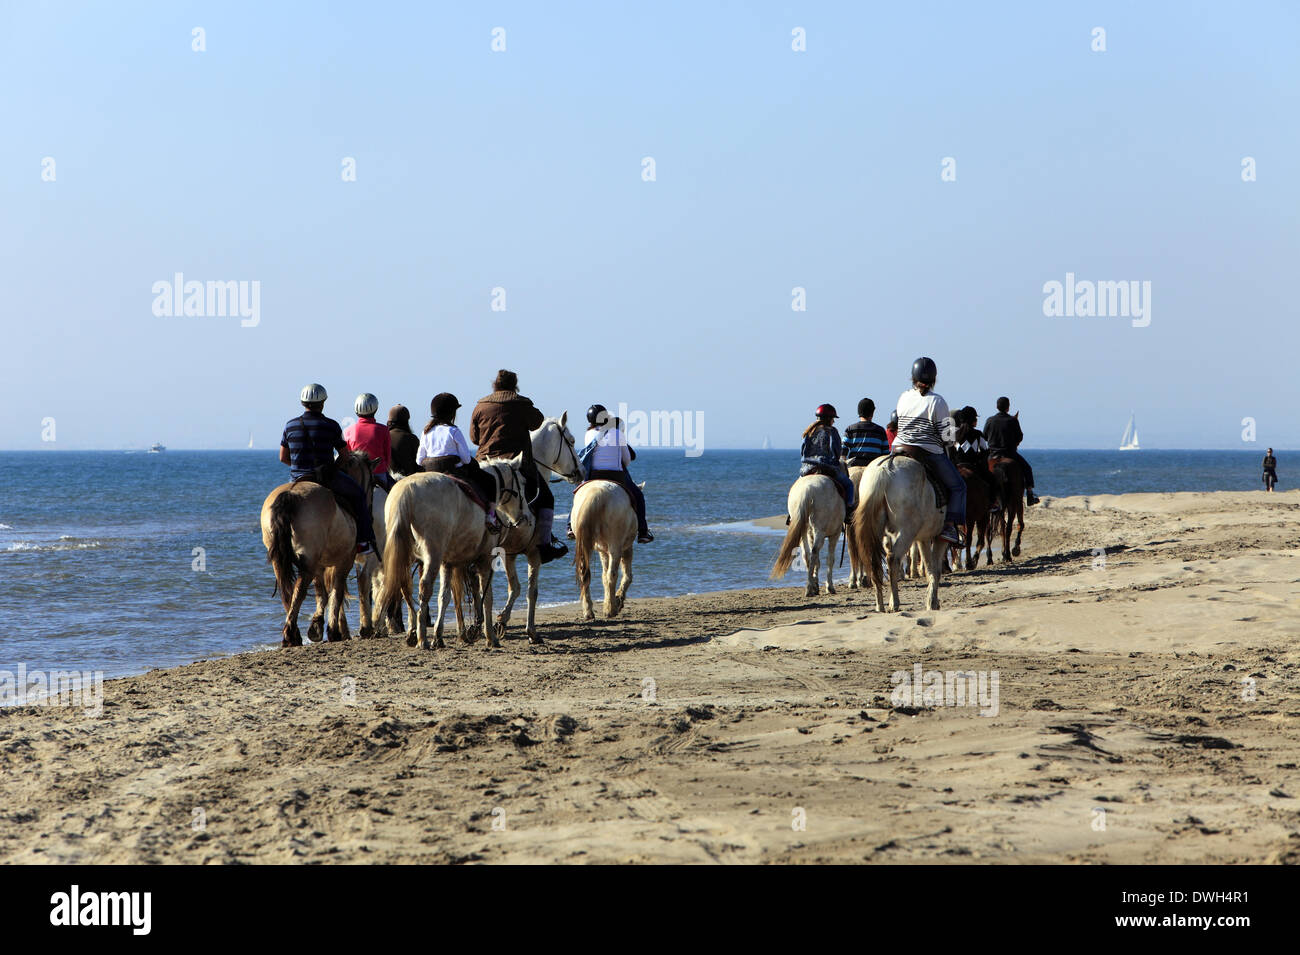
[1130,440]
[767,443]
[250,441]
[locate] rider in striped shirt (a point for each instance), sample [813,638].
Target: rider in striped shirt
[925,424]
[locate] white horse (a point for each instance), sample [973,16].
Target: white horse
[431,520]
[370,571]
[896,508]
[816,512]
[603,519]
[858,576]
[554,453]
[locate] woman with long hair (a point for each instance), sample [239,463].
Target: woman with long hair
[443,449]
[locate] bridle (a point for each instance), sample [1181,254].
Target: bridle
[575,475]
[503,493]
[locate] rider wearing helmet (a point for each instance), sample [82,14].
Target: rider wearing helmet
[501,426]
[820,453]
[308,447]
[970,450]
[1002,431]
[368,435]
[606,456]
[925,425]
[443,449]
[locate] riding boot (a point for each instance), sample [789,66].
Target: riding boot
[1030,497]
[549,548]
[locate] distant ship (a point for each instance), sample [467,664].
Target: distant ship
[1130,440]
[156,448]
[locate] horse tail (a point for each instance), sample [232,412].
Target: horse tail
[280,553]
[397,553]
[583,541]
[798,527]
[867,529]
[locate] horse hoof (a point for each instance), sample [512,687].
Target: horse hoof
[412,640]
[810,591]
[499,630]
[367,632]
[589,615]
[1015,551]
[535,641]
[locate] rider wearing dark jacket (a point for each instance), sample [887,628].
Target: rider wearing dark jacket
[405,444]
[971,451]
[501,426]
[1002,431]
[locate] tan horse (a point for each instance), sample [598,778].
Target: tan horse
[310,539]
[858,576]
[816,512]
[896,508]
[429,519]
[554,453]
[603,519]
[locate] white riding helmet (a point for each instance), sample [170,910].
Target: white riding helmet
[313,392]
[366,404]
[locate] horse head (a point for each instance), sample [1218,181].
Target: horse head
[509,478]
[553,449]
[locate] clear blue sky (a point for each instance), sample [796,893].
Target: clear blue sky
[775,169]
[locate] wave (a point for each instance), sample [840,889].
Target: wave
[63,543]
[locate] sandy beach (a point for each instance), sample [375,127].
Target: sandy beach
[1149,712]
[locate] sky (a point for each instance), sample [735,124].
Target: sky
[828,169]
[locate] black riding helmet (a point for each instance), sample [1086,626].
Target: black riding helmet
[924,371]
[443,407]
[597,415]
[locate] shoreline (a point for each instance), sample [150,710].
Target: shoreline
[690,729]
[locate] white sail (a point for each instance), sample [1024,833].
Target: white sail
[250,441]
[767,443]
[1130,440]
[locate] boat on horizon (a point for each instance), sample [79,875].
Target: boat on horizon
[1130,440]
[157,448]
[250,441]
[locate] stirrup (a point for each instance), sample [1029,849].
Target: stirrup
[645,538]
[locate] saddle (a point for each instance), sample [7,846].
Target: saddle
[470,491]
[921,458]
[630,499]
[834,475]
[323,474]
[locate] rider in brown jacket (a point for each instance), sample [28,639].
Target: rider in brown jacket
[500,426]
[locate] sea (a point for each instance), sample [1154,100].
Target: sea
[120,562]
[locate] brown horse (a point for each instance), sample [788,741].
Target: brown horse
[977,519]
[310,539]
[1011,482]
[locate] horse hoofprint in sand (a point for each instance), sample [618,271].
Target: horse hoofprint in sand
[896,507]
[816,512]
[310,539]
[429,519]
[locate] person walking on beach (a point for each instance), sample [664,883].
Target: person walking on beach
[368,435]
[864,440]
[1270,470]
[404,444]
[443,449]
[308,445]
[500,426]
[608,460]
[820,454]
[1002,432]
[924,425]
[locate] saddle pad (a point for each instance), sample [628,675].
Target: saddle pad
[469,490]
[940,491]
[631,500]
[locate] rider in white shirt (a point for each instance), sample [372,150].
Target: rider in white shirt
[925,424]
[609,460]
[443,449]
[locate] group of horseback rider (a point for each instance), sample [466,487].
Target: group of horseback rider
[922,427]
[500,426]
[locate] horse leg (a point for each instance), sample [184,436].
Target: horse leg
[625,565]
[938,549]
[338,619]
[582,565]
[534,566]
[316,629]
[292,635]
[512,593]
[810,564]
[1020,529]
[365,580]
[484,602]
[830,561]
[608,577]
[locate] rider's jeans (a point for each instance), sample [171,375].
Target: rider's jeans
[955,484]
[350,489]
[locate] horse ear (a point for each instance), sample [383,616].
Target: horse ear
[564,419]
[517,461]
